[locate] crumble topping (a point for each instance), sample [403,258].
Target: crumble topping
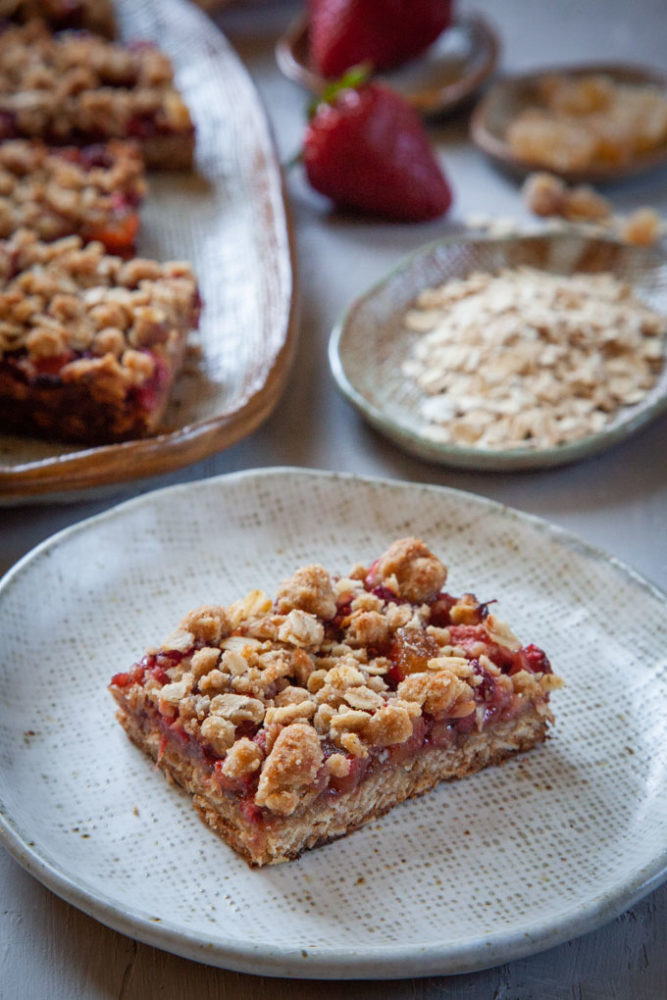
[288,775]
[579,122]
[71,87]
[73,310]
[285,703]
[310,590]
[410,570]
[547,195]
[59,192]
[93,15]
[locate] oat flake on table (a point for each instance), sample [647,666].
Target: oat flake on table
[530,359]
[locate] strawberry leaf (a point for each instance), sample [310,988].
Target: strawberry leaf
[352,79]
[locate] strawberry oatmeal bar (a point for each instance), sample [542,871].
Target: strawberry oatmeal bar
[292,722]
[93,191]
[89,343]
[89,15]
[78,88]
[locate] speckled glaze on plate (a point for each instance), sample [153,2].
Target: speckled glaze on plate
[511,861]
[368,346]
[449,73]
[228,217]
[513,94]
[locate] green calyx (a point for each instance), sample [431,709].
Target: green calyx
[352,79]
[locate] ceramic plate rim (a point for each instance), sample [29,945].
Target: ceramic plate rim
[508,459]
[378,961]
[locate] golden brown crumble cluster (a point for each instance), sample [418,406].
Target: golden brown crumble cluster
[547,195]
[579,122]
[56,193]
[323,695]
[66,297]
[68,86]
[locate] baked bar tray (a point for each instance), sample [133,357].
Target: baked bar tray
[229,219]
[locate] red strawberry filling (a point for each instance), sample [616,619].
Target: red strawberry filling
[47,372]
[150,395]
[8,126]
[119,233]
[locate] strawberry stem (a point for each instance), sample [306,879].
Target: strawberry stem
[352,79]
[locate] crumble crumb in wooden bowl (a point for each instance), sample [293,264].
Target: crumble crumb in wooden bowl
[579,122]
[587,123]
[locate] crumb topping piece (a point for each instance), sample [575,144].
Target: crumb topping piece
[549,196]
[290,770]
[410,570]
[309,590]
[287,703]
[582,121]
[92,191]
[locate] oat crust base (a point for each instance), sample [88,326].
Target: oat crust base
[327,818]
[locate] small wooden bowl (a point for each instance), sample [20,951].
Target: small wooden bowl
[443,78]
[513,94]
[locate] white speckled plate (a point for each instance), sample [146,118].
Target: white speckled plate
[513,860]
[370,344]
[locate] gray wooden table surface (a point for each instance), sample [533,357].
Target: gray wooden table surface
[617,501]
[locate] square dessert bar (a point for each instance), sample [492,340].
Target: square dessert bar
[80,89]
[92,191]
[89,343]
[292,722]
[60,15]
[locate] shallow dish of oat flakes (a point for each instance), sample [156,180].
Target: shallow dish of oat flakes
[371,344]
[499,865]
[229,219]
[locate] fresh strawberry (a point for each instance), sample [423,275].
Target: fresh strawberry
[367,148]
[385,33]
